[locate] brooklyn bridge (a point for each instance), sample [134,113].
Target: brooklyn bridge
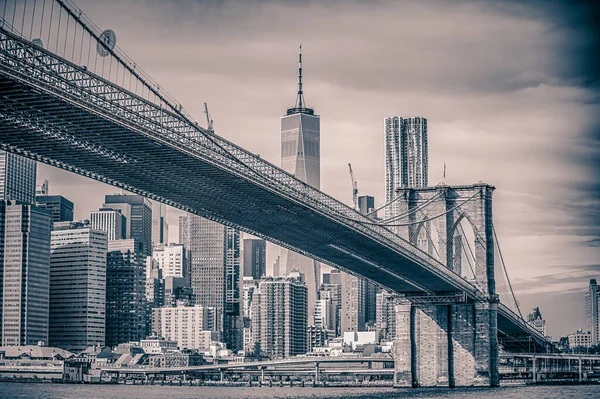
[72,99]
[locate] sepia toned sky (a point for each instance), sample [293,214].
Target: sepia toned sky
[510,91]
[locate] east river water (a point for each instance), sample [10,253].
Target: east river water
[63,391]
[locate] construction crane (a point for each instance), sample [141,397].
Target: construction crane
[209,120]
[354,187]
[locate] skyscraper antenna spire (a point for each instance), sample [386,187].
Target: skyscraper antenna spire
[300,106]
[300,98]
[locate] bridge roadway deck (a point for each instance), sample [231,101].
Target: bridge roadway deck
[58,113]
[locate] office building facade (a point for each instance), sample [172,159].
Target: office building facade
[25,273]
[352,315]
[255,258]
[138,212]
[77,286]
[592,316]
[111,221]
[160,227]
[214,271]
[61,209]
[17,178]
[126,309]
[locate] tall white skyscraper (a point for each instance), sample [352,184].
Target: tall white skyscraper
[406,155]
[301,156]
[77,286]
[592,313]
[17,178]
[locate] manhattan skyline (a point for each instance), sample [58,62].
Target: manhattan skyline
[506,104]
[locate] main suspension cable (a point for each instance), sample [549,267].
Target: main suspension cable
[410,211]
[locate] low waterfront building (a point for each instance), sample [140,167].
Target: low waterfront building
[580,338]
[30,360]
[175,359]
[155,345]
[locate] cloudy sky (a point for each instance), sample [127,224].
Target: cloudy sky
[509,90]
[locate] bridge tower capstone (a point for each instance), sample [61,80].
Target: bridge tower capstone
[449,344]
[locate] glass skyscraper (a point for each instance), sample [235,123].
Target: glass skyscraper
[138,211]
[301,156]
[17,178]
[213,252]
[77,286]
[24,273]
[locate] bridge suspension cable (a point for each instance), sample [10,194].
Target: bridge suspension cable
[497,244]
[411,211]
[433,217]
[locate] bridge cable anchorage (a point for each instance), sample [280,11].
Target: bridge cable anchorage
[410,211]
[497,244]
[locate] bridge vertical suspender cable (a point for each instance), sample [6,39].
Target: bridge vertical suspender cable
[497,244]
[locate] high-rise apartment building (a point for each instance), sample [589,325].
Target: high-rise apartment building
[160,227]
[77,286]
[17,178]
[126,310]
[333,293]
[111,221]
[24,272]
[138,211]
[325,314]
[186,325]
[406,156]
[386,314]
[353,303]
[280,316]
[61,209]
[171,259]
[301,156]
[155,285]
[255,258]
[214,271]
[592,316]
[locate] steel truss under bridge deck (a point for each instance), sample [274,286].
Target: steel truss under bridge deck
[63,115]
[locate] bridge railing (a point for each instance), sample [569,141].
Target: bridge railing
[113,86]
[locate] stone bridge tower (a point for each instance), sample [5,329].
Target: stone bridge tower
[449,343]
